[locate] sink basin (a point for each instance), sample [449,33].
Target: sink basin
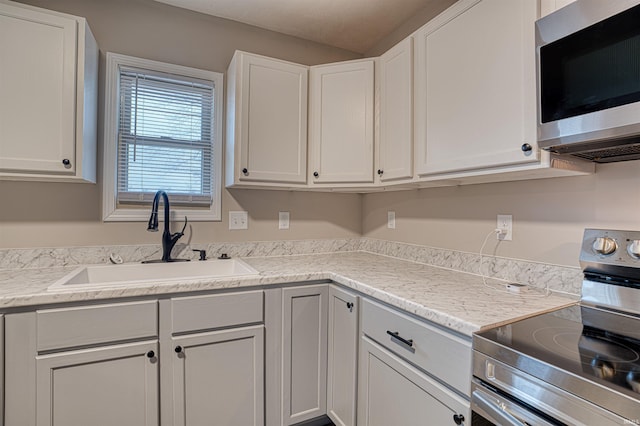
[113,275]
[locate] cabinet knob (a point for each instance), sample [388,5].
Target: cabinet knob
[245,171]
[350,306]
[66,163]
[178,349]
[526,147]
[458,419]
[151,354]
[380,172]
[316,174]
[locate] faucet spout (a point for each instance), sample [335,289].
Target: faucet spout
[169,240]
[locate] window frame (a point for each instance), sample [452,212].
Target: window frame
[111,210]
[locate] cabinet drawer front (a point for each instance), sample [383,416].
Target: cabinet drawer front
[90,325]
[216,311]
[442,355]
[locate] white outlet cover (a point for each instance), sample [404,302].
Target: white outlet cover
[283,220]
[238,220]
[391,220]
[505,221]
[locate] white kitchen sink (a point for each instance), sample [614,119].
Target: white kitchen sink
[88,277]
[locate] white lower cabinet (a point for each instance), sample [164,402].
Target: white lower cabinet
[180,361]
[90,365]
[304,353]
[283,356]
[105,386]
[403,368]
[219,375]
[342,360]
[213,359]
[392,392]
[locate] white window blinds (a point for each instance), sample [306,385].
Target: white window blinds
[165,137]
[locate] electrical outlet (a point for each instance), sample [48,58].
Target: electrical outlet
[238,220]
[391,220]
[283,220]
[505,222]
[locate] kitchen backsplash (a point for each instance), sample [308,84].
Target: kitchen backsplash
[563,279]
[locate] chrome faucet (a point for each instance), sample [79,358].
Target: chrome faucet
[168,239]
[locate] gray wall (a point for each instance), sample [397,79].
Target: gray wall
[549,215]
[56,214]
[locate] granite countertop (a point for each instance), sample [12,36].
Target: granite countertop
[456,300]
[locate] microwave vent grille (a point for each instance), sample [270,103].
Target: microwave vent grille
[604,151]
[610,155]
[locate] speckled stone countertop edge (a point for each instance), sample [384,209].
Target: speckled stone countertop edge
[455,300]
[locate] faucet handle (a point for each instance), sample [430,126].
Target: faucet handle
[181,233]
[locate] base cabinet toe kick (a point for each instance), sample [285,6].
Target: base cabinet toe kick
[310,354]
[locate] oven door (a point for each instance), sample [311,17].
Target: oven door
[491,409]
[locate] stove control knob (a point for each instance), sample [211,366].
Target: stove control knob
[634,249]
[633,379]
[605,246]
[603,369]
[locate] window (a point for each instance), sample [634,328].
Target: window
[162,131]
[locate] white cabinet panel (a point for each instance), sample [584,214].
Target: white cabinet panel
[342,360]
[395,144]
[341,123]
[266,121]
[391,392]
[475,90]
[48,95]
[92,325]
[194,313]
[106,386]
[304,341]
[219,375]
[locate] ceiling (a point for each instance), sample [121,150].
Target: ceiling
[355,25]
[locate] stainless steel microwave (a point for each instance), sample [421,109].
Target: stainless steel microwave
[588,70]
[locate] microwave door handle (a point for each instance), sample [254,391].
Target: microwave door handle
[499,412]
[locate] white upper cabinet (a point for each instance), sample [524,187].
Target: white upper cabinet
[395,141]
[341,123]
[475,94]
[266,121]
[48,95]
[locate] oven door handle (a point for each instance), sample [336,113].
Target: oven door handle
[497,410]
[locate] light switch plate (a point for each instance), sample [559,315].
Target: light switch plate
[238,220]
[283,220]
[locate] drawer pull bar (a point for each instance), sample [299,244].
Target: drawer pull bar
[396,335]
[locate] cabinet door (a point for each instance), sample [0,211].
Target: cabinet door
[476,97]
[342,364]
[341,123]
[395,150]
[106,386]
[272,114]
[391,392]
[37,91]
[219,375]
[304,341]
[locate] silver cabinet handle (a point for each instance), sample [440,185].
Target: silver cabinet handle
[396,335]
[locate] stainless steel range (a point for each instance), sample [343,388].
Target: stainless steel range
[575,366]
